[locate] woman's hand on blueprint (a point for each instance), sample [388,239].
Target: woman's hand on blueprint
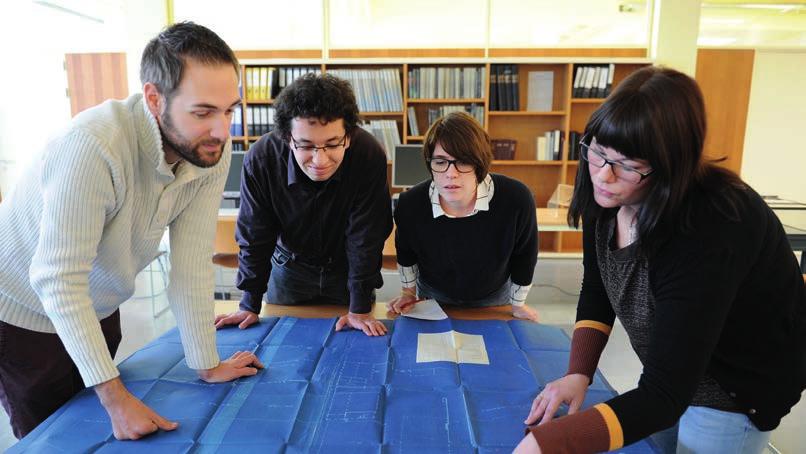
[362,322]
[570,390]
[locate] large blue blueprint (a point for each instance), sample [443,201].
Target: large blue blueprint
[328,391]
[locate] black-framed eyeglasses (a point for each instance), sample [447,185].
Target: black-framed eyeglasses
[326,147]
[442,165]
[620,170]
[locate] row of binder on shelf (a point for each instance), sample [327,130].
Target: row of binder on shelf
[593,81]
[259,121]
[549,147]
[265,82]
[376,90]
[504,90]
[386,132]
[433,113]
[446,83]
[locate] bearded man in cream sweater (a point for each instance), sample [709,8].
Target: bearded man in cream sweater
[88,215]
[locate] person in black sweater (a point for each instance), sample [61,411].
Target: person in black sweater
[466,237]
[698,270]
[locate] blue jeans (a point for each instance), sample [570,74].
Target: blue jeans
[498,298]
[705,430]
[293,282]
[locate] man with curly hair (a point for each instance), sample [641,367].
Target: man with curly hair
[315,208]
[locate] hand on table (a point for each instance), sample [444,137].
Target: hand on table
[402,304]
[570,389]
[241,318]
[525,312]
[240,364]
[364,322]
[131,418]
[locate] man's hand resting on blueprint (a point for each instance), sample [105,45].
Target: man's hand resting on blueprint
[240,364]
[364,322]
[131,418]
[525,312]
[241,318]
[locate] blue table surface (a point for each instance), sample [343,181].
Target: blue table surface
[332,391]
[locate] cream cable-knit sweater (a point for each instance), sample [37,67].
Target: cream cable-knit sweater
[88,215]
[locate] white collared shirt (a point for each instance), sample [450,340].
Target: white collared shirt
[484,193]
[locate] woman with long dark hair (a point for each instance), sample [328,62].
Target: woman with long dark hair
[698,270]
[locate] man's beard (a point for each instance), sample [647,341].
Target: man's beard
[171,137]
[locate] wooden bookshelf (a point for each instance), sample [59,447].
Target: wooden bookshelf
[445,101]
[567,113]
[525,113]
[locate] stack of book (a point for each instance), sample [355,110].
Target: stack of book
[265,82]
[446,83]
[259,119]
[414,129]
[504,149]
[573,145]
[475,110]
[236,127]
[376,90]
[504,92]
[386,132]
[549,146]
[593,81]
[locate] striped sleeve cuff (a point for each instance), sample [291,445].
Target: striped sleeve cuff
[587,344]
[408,275]
[518,294]
[596,429]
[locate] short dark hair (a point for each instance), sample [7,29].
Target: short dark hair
[165,56]
[658,115]
[462,137]
[321,96]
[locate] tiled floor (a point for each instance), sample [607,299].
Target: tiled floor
[554,295]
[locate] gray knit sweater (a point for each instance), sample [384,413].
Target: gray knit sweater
[88,215]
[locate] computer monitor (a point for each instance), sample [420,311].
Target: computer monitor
[232,188]
[408,167]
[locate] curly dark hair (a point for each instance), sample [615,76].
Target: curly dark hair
[325,97]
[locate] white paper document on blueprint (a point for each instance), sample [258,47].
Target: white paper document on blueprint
[451,346]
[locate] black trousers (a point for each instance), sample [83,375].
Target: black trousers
[37,375]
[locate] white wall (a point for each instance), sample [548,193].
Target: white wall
[258,24]
[144,20]
[33,81]
[774,158]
